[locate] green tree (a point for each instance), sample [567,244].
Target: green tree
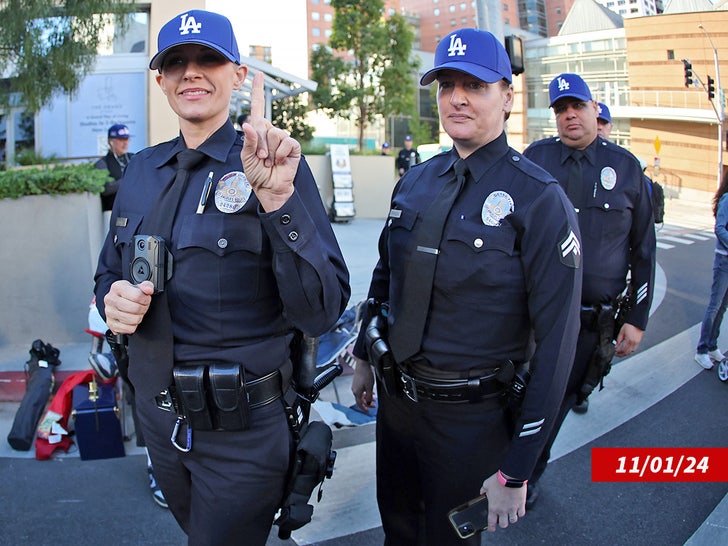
[290,114]
[48,46]
[366,71]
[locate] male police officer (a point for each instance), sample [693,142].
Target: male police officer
[604,121]
[604,182]
[253,259]
[407,157]
[469,302]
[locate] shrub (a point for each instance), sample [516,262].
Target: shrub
[51,180]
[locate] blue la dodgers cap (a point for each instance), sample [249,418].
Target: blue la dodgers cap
[568,85]
[197,27]
[603,112]
[385,144]
[475,52]
[119,130]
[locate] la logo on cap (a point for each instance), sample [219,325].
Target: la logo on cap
[189,24]
[562,83]
[457,47]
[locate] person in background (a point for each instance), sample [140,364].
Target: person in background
[707,352]
[115,161]
[604,121]
[254,261]
[605,184]
[479,266]
[408,157]
[385,148]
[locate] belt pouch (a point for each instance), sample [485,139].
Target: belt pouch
[189,382]
[232,409]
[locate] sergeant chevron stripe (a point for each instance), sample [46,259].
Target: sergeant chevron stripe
[571,244]
[641,293]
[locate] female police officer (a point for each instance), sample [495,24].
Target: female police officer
[505,291]
[253,257]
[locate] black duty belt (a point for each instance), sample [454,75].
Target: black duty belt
[456,390]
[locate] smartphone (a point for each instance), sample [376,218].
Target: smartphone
[470,518]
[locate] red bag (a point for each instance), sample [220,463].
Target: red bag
[60,406]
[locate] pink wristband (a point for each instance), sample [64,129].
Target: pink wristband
[507,482]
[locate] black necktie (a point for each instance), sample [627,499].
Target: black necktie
[151,348]
[409,324]
[575,186]
[162,215]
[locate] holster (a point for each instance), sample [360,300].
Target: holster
[313,463]
[380,355]
[512,398]
[118,344]
[600,363]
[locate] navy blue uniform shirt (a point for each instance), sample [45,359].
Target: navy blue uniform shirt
[507,280]
[617,225]
[242,280]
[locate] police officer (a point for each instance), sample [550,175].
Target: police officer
[407,157]
[385,148]
[115,161]
[604,121]
[253,259]
[605,184]
[505,291]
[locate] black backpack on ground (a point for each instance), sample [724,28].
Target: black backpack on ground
[39,370]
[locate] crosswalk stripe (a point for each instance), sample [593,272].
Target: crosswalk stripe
[676,240]
[699,236]
[664,246]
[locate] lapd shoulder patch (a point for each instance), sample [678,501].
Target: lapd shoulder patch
[570,250]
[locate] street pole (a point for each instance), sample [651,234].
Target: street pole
[489,14]
[719,110]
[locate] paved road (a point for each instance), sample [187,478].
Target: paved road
[657,398]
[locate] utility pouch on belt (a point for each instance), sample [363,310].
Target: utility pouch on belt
[227,386]
[601,361]
[191,389]
[380,354]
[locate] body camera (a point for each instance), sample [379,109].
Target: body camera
[150,261]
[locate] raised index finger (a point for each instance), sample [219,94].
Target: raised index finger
[257,97]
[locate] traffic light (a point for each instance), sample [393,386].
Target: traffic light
[688,72]
[711,88]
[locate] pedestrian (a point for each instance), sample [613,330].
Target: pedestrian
[243,118]
[252,259]
[468,305]
[605,184]
[408,157]
[385,148]
[604,121]
[707,352]
[115,161]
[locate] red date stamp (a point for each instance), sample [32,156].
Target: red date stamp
[667,464]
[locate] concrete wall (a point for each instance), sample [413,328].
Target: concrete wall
[373,178]
[50,245]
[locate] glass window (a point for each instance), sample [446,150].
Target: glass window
[436,12]
[316,31]
[451,8]
[328,17]
[315,16]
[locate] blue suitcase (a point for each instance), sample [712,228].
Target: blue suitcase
[96,421]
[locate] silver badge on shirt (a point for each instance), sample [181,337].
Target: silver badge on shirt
[496,206]
[608,178]
[232,192]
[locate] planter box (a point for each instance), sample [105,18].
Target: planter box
[50,245]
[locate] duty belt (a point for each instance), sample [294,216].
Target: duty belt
[460,390]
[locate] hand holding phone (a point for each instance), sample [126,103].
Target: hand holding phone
[470,518]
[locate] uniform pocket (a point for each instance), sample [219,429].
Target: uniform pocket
[219,261]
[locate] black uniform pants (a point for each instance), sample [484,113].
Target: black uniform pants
[227,489]
[585,347]
[432,457]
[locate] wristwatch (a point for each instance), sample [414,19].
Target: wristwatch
[508,482]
